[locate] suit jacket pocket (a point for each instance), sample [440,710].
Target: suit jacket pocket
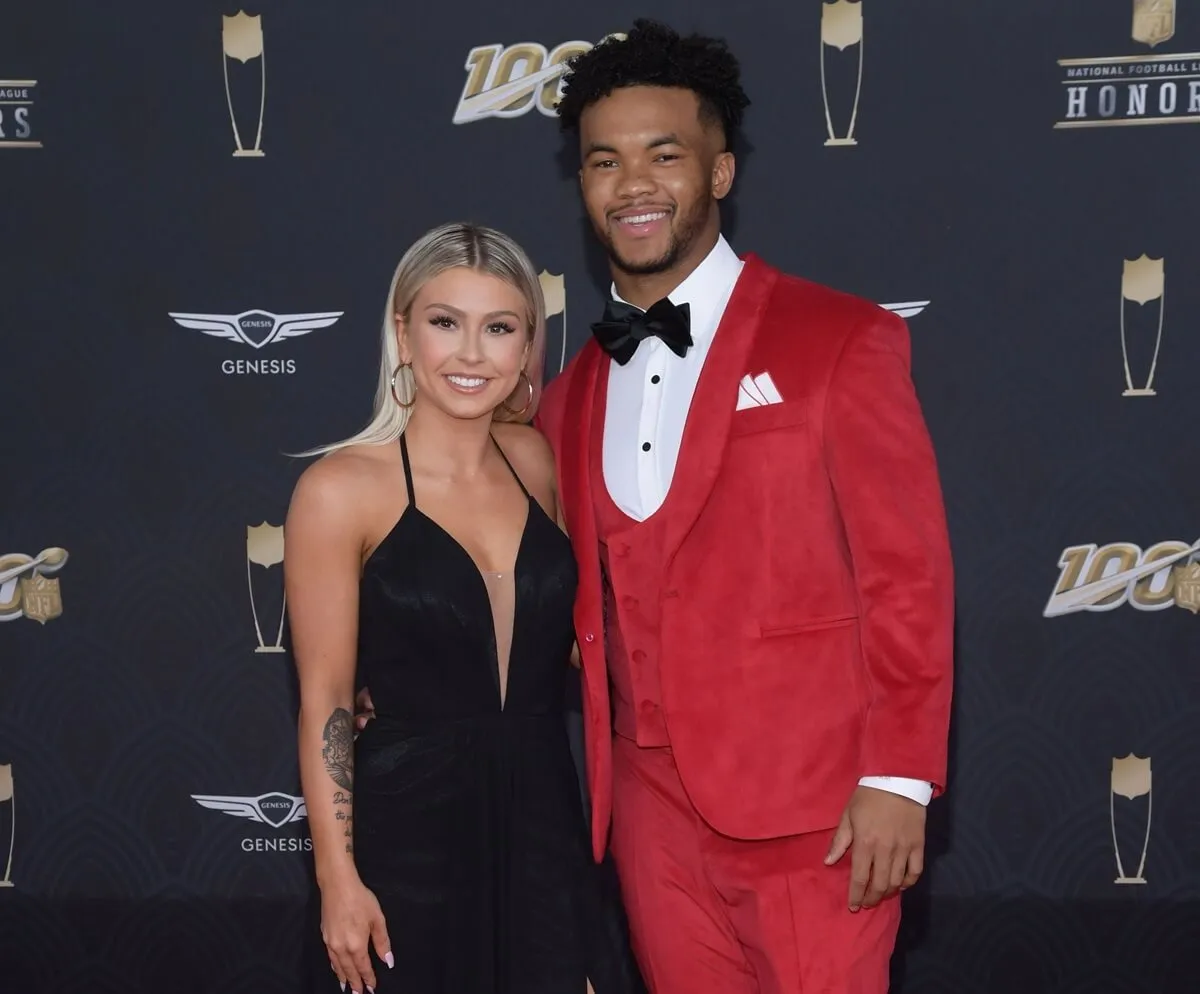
[769,629]
[768,418]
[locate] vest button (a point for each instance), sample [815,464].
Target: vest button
[589,637]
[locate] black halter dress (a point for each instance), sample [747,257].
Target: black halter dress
[468,819]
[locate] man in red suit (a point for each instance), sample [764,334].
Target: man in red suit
[765,606]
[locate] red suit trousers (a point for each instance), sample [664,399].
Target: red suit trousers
[714,915]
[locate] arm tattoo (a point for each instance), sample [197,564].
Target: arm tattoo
[338,748]
[346,818]
[338,754]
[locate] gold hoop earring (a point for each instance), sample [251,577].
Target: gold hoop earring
[395,395]
[528,400]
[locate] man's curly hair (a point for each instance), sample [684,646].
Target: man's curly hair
[653,54]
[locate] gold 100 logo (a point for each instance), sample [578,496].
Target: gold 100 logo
[1102,578]
[508,81]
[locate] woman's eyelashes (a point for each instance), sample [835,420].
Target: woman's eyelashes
[445,321]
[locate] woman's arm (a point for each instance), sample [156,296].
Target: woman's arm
[321,575]
[321,570]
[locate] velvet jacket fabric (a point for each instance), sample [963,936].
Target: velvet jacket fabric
[807,600]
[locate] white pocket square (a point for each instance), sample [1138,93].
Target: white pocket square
[757,391]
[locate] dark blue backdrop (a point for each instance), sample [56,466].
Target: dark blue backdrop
[147,769]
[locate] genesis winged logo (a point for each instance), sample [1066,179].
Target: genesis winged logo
[272,809]
[256,328]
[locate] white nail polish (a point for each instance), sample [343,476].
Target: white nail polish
[390,960]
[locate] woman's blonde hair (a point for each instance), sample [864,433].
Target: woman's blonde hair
[450,246]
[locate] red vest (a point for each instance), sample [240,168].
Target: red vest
[632,560]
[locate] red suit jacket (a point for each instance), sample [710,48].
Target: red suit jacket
[807,612]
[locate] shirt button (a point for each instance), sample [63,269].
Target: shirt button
[639,656]
[629,602]
[645,446]
[655,378]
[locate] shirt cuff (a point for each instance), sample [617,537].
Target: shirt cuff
[915,790]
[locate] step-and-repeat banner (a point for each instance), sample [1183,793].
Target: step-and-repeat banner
[200,210]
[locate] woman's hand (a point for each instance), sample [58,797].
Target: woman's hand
[351,920]
[364,709]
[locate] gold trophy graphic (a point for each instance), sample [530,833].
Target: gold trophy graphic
[841,27]
[242,39]
[1130,779]
[264,547]
[1142,280]
[1153,21]
[8,794]
[555,291]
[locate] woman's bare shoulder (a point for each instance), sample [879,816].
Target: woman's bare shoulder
[343,482]
[528,445]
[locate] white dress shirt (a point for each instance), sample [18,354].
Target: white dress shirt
[647,407]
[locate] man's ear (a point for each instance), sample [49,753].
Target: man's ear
[724,167]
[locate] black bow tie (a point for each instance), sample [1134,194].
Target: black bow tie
[624,326]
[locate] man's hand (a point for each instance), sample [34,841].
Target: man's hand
[364,709]
[887,834]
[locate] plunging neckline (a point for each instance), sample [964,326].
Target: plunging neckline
[501,673]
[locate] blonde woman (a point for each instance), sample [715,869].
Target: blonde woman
[425,558]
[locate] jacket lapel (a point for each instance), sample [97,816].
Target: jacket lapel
[707,429]
[575,471]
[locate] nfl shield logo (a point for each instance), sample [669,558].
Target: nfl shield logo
[1153,21]
[1187,587]
[41,599]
